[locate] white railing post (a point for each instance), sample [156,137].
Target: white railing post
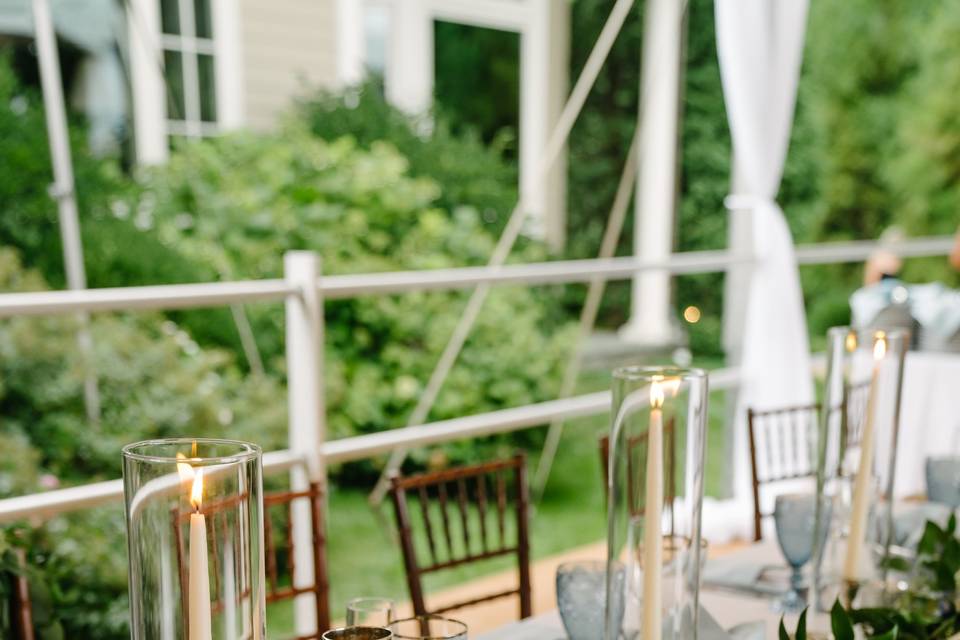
[304,342]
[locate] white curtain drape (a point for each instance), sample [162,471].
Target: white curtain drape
[760,47]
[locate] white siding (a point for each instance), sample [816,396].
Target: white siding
[288,46]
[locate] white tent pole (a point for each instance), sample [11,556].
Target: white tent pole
[656,200]
[62,189]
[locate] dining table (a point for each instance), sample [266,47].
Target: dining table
[726,605]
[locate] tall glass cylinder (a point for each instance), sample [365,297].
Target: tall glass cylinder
[655,499]
[194,511]
[857,459]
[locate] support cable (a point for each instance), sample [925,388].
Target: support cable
[591,305]
[555,143]
[588,314]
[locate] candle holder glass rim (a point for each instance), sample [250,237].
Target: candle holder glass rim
[890,334]
[653,372]
[243,451]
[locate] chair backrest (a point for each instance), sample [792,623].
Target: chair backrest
[477,529]
[279,550]
[779,440]
[637,453]
[21,611]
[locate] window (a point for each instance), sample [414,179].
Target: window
[376,28]
[188,67]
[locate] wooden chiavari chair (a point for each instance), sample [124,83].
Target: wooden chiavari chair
[777,440]
[478,494]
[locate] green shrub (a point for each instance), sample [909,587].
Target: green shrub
[119,249]
[235,204]
[154,381]
[467,171]
[924,177]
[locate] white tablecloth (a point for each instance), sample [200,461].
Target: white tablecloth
[929,417]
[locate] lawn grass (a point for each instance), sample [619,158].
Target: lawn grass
[365,561]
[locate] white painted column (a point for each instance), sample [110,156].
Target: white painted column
[305,392]
[351,42]
[228,62]
[410,69]
[544,79]
[146,78]
[657,180]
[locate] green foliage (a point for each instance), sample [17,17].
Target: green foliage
[468,57]
[235,204]
[154,381]
[939,552]
[46,618]
[925,611]
[801,632]
[924,173]
[840,623]
[119,248]
[854,107]
[467,171]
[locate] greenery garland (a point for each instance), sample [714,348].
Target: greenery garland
[926,611]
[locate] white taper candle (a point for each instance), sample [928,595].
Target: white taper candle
[199,594]
[861,484]
[652,538]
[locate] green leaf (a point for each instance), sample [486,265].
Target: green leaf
[893,634]
[840,623]
[945,579]
[895,563]
[932,538]
[802,627]
[952,524]
[783,631]
[951,554]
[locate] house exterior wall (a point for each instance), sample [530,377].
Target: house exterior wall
[288,46]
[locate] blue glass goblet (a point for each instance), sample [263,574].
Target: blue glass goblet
[943,481]
[795,516]
[581,597]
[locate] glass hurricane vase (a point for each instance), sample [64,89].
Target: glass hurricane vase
[857,461]
[194,512]
[655,497]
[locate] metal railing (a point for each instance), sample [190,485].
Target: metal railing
[187,296]
[304,289]
[212,294]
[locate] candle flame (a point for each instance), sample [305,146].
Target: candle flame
[880,346]
[196,495]
[185,470]
[656,392]
[851,342]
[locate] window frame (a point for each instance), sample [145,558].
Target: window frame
[190,46]
[154,126]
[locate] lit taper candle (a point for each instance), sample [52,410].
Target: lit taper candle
[653,515]
[199,595]
[861,485]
